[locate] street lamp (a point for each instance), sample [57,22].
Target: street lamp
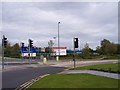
[54,38]
[58,43]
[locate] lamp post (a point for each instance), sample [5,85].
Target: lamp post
[58,43]
[54,38]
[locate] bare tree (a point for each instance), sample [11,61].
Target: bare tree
[50,43]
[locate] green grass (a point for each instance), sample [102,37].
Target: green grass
[112,66]
[75,81]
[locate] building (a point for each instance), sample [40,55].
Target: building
[62,51]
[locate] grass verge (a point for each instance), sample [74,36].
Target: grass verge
[113,67]
[75,81]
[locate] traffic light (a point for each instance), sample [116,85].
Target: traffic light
[75,42]
[30,43]
[4,41]
[22,44]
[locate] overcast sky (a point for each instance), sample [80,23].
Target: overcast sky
[89,21]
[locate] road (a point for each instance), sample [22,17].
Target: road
[15,77]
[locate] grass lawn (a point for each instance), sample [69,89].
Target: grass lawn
[75,81]
[112,66]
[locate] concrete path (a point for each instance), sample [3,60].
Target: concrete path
[105,74]
[69,64]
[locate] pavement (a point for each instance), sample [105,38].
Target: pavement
[70,64]
[62,63]
[99,73]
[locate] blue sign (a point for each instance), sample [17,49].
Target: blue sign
[37,51]
[26,50]
[76,51]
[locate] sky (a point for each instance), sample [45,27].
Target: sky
[91,22]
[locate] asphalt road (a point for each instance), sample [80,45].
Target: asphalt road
[15,75]
[13,78]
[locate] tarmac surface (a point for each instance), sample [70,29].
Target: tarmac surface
[14,77]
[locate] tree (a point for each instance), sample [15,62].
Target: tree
[108,48]
[86,51]
[16,50]
[7,50]
[91,51]
[99,50]
[15,47]
[49,48]
[118,48]
[12,50]
[50,43]
[104,44]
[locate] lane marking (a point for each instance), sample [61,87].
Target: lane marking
[29,83]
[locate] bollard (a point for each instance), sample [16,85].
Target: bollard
[57,58]
[44,60]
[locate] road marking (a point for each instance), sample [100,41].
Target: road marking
[29,83]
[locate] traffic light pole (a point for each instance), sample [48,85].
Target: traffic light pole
[21,51]
[29,51]
[3,53]
[75,41]
[74,53]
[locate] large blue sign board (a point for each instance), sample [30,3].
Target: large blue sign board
[26,50]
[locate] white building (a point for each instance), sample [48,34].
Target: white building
[61,51]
